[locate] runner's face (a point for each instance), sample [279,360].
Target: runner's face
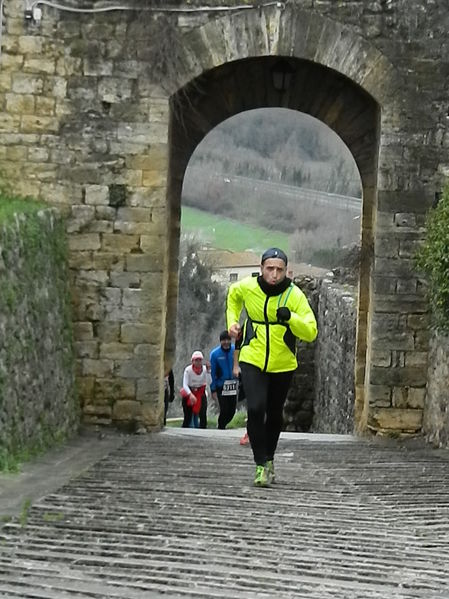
[225,343]
[273,270]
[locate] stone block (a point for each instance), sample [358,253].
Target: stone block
[91,277]
[418,321]
[39,65]
[116,350]
[150,387]
[120,243]
[86,349]
[96,66]
[29,44]
[85,387]
[406,286]
[133,369]
[20,103]
[82,331]
[386,247]
[113,90]
[400,304]
[105,212]
[393,341]
[137,333]
[125,279]
[23,83]
[400,267]
[39,124]
[101,410]
[133,228]
[45,106]
[108,332]
[79,218]
[150,244]
[154,178]
[99,226]
[380,358]
[98,368]
[97,195]
[397,377]
[114,388]
[144,263]
[84,242]
[8,124]
[409,397]
[395,419]
[108,261]
[416,358]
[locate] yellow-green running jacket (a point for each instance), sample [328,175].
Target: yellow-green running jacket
[267,343]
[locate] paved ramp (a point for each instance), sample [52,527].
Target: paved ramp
[174,515]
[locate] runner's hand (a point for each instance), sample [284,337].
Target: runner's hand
[283,314]
[235,330]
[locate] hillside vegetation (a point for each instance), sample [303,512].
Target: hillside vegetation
[251,169]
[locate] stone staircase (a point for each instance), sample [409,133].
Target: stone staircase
[174,515]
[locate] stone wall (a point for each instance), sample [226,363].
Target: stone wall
[38,402]
[335,358]
[436,410]
[298,410]
[91,121]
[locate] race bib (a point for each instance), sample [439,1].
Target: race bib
[230,387]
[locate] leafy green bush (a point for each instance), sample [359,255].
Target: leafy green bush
[433,259]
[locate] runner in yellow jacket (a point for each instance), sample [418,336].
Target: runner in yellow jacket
[278,314]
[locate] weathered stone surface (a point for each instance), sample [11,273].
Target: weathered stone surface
[396,419]
[38,399]
[436,408]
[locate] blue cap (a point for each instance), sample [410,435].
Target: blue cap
[274,253]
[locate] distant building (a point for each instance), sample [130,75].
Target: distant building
[231,266]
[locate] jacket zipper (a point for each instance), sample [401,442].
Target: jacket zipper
[267,328]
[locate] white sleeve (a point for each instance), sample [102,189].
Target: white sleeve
[186,381]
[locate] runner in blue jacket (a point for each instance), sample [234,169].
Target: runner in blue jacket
[224,386]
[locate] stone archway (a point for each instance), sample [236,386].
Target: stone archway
[339,79]
[315,90]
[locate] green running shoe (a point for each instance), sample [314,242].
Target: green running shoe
[261,479]
[269,467]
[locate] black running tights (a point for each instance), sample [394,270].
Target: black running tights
[265,395]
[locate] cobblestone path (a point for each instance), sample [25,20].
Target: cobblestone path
[174,515]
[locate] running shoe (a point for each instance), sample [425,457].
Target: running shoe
[260,479]
[269,466]
[244,440]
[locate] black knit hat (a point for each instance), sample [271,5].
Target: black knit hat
[224,335]
[274,253]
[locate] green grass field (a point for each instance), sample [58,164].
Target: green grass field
[228,234]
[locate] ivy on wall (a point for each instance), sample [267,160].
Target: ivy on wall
[433,259]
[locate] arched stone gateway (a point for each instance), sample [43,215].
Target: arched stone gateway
[89,125]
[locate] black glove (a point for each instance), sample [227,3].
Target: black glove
[283,314]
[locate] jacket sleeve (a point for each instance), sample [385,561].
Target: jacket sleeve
[234,304]
[213,371]
[302,321]
[186,381]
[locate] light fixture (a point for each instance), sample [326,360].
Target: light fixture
[281,75]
